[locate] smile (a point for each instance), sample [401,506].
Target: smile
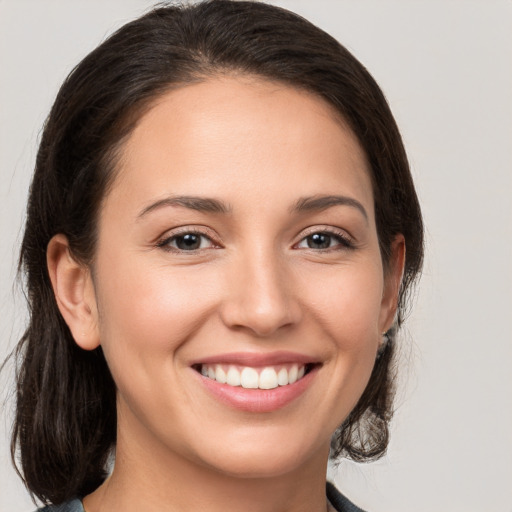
[257,383]
[247,377]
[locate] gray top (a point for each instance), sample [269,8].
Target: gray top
[338,501]
[69,506]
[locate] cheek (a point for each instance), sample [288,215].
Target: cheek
[151,311]
[346,301]
[343,305]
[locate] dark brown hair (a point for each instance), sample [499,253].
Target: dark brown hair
[65,424]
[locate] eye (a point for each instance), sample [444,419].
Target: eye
[186,241]
[324,240]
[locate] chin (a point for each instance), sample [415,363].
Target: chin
[268,458]
[266,466]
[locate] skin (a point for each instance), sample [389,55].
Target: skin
[253,286]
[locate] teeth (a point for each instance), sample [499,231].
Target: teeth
[293,374]
[282,377]
[268,377]
[233,377]
[249,378]
[220,374]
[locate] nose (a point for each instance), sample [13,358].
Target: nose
[259,296]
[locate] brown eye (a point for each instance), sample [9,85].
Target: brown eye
[186,242]
[325,240]
[319,241]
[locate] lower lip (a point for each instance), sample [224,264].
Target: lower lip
[258,400]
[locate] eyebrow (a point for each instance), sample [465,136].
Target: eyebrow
[201,204]
[210,205]
[319,203]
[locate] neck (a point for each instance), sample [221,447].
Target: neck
[150,478]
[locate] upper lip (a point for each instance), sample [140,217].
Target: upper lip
[255,359]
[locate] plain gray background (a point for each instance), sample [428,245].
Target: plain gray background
[446,68]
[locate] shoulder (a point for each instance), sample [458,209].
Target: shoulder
[340,502]
[69,506]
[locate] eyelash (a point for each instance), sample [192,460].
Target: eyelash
[344,241]
[165,243]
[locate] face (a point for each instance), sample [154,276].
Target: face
[240,293]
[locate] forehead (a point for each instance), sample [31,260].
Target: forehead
[241,136]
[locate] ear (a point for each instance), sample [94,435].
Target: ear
[392,283]
[74,292]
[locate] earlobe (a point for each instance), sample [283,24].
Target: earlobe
[392,283]
[74,292]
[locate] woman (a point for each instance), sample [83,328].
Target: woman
[221,234]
